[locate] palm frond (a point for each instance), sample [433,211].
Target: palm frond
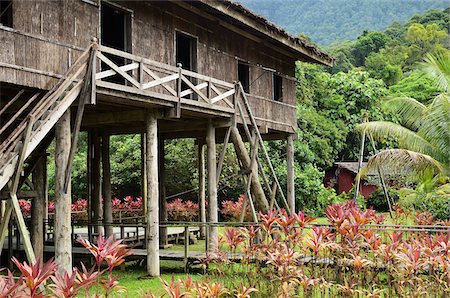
[403,161]
[410,110]
[436,124]
[408,139]
[437,66]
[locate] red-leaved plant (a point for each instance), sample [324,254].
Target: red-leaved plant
[43,280]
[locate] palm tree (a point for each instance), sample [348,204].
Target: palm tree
[423,135]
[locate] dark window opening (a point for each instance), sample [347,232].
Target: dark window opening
[244,76]
[115,33]
[277,88]
[186,51]
[6,13]
[186,55]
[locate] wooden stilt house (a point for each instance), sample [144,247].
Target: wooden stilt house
[210,70]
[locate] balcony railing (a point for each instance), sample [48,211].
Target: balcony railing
[162,81]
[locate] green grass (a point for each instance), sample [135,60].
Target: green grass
[133,278]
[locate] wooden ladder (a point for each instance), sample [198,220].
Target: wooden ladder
[18,144]
[256,168]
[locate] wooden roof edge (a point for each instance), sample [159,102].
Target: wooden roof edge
[306,51]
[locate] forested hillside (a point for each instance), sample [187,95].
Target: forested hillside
[327,21]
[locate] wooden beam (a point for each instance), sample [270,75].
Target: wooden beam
[152,217]
[21,194]
[213,239]
[63,227]
[83,99]
[13,100]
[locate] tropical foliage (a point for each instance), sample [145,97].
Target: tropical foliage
[423,133]
[39,280]
[291,256]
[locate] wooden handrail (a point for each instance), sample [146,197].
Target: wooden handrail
[170,74]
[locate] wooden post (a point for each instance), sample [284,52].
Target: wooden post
[39,206]
[90,150]
[163,241]
[106,187]
[151,127]
[290,172]
[201,184]
[143,173]
[242,154]
[213,242]
[96,183]
[62,233]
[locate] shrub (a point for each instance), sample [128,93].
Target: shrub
[231,210]
[377,200]
[179,210]
[422,199]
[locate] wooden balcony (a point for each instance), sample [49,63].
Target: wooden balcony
[143,82]
[138,81]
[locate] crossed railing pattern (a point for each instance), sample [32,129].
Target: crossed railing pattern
[163,81]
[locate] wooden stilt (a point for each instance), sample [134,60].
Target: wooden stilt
[96,183]
[90,150]
[163,241]
[290,172]
[152,218]
[143,172]
[38,206]
[106,187]
[63,229]
[201,184]
[213,241]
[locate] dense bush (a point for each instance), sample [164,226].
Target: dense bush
[179,210]
[377,200]
[232,210]
[435,200]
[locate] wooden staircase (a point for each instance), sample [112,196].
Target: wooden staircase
[19,143]
[39,121]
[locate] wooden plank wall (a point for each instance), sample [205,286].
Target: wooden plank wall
[48,36]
